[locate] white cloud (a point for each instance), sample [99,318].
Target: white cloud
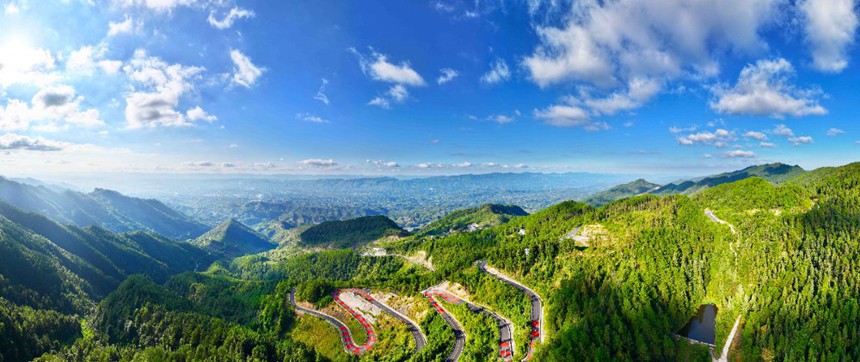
[380,102]
[158,5]
[54,107]
[755,135]
[22,64]
[227,165]
[800,140]
[378,68]
[321,96]
[463,164]
[12,9]
[830,26]
[607,42]
[307,117]
[318,163]
[88,58]
[563,116]
[638,92]
[398,93]
[235,13]
[718,138]
[763,90]
[15,115]
[782,130]
[198,114]
[498,73]
[381,163]
[245,73]
[11,141]
[448,75]
[834,132]
[123,27]
[739,153]
[501,118]
[490,164]
[766,144]
[429,165]
[707,155]
[199,164]
[157,90]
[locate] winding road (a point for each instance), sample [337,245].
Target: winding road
[345,335]
[506,329]
[420,339]
[537,304]
[459,333]
[718,220]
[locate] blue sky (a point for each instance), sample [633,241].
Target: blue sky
[426,87]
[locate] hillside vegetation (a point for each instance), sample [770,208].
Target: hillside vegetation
[478,218]
[232,239]
[350,233]
[630,189]
[789,272]
[776,173]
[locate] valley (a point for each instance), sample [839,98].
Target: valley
[616,281]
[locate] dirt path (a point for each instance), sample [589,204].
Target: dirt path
[724,354]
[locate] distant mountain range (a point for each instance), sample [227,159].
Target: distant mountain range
[775,173]
[629,189]
[108,209]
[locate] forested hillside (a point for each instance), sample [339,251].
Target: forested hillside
[475,218]
[617,282]
[232,239]
[776,173]
[350,233]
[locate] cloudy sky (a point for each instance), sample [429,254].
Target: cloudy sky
[426,87]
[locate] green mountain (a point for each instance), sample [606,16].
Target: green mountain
[472,219]
[776,173]
[50,272]
[779,257]
[630,189]
[232,239]
[104,208]
[350,233]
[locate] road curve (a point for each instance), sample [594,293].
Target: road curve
[459,333]
[537,305]
[420,339]
[714,218]
[506,341]
[344,333]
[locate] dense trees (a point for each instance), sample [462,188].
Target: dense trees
[350,233]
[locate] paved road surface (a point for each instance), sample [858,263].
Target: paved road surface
[340,326]
[537,304]
[459,333]
[420,339]
[506,342]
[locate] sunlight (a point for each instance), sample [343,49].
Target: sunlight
[22,62]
